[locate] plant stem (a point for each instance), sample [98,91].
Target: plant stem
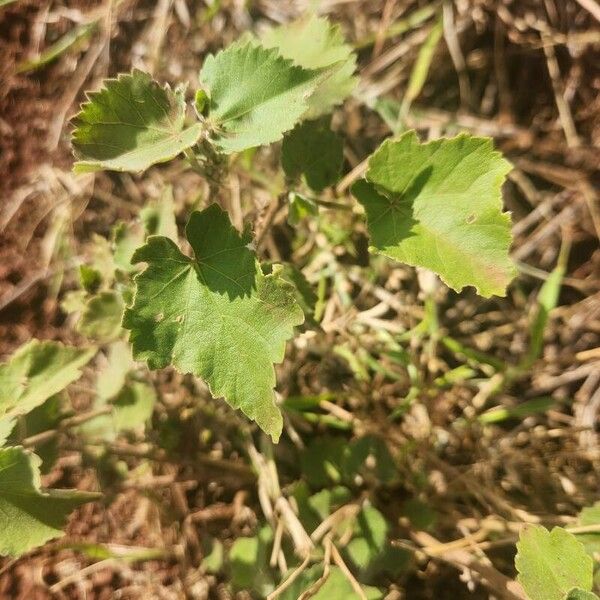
[45,436]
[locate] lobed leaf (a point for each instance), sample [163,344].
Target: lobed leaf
[131,124]
[438,205]
[255,95]
[215,315]
[313,43]
[29,516]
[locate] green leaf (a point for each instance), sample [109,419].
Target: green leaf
[255,95]
[579,594]
[113,374]
[131,410]
[28,516]
[36,371]
[336,586]
[300,208]
[590,516]
[249,563]
[158,216]
[550,564]
[215,315]
[213,555]
[101,317]
[311,149]
[126,239]
[370,535]
[438,205]
[43,418]
[313,43]
[131,124]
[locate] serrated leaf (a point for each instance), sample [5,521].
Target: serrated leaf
[438,205]
[313,43]
[37,371]
[28,516]
[550,564]
[215,315]
[101,317]
[131,124]
[312,150]
[255,95]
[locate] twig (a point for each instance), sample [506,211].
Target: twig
[45,436]
[564,110]
[490,577]
[591,6]
[339,561]
[293,576]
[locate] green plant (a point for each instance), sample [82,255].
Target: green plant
[221,313]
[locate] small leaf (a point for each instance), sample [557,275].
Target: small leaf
[300,208]
[438,205]
[158,216]
[313,43]
[579,594]
[213,555]
[249,563]
[131,124]
[216,315]
[113,374]
[311,149]
[43,418]
[90,279]
[590,516]
[131,410]
[28,516]
[255,95]
[101,317]
[37,371]
[126,239]
[550,564]
[336,586]
[370,535]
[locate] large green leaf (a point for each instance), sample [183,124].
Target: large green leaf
[28,516]
[311,149]
[550,564]
[215,315]
[131,124]
[36,371]
[438,205]
[255,95]
[313,43]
